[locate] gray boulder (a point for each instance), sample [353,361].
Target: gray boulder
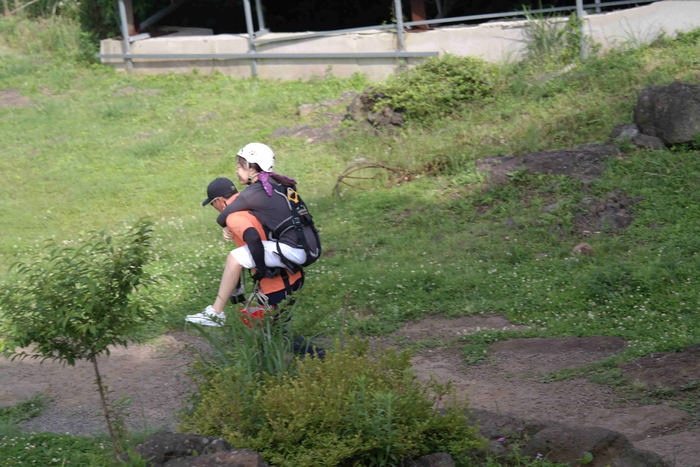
[630,134]
[163,446]
[560,442]
[439,459]
[671,113]
[361,109]
[307,109]
[236,458]
[568,444]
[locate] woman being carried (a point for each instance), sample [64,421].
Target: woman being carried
[293,240]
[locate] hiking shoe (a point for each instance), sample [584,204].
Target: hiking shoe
[209,317]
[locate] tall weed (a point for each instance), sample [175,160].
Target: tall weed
[59,37]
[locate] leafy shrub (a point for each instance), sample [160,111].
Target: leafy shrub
[437,86]
[356,407]
[56,36]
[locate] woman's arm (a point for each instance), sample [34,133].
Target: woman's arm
[241,203]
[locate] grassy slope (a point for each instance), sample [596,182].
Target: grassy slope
[84,158]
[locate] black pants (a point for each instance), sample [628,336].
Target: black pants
[300,345]
[275,298]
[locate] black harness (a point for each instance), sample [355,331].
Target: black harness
[299,218]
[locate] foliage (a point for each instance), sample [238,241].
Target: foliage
[438,245]
[50,449]
[438,85]
[356,407]
[255,345]
[75,301]
[57,36]
[549,40]
[24,410]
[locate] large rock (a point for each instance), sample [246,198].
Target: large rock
[165,446]
[560,442]
[631,134]
[362,109]
[671,113]
[568,444]
[236,458]
[586,162]
[610,214]
[439,459]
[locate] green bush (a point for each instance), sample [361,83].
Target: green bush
[356,407]
[437,86]
[59,37]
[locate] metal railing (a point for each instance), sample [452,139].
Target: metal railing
[399,27]
[456,19]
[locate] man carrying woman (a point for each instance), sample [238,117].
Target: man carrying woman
[239,226]
[272,228]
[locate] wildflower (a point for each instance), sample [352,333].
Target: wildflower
[501,439]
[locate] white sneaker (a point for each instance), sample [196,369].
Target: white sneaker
[209,317]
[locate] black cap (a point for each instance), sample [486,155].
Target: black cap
[221,187]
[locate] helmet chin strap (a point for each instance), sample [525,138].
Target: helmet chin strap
[251,177]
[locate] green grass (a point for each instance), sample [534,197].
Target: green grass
[86,158]
[24,410]
[83,158]
[18,448]
[49,449]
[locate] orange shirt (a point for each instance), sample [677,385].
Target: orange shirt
[240,221]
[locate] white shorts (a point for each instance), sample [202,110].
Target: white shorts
[272,259]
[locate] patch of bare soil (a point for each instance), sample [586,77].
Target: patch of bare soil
[13,98]
[509,382]
[153,376]
[664,369]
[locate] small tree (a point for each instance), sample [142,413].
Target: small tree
[73,302]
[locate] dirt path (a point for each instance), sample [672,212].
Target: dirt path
[509,382]
[154,377]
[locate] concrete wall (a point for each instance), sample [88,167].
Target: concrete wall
[494,42]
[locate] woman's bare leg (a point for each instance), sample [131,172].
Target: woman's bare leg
[229,279]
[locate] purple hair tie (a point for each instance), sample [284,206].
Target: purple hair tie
[264,179]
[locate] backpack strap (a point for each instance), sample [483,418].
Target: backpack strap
[300,217]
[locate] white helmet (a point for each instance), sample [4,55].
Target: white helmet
[260,154]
